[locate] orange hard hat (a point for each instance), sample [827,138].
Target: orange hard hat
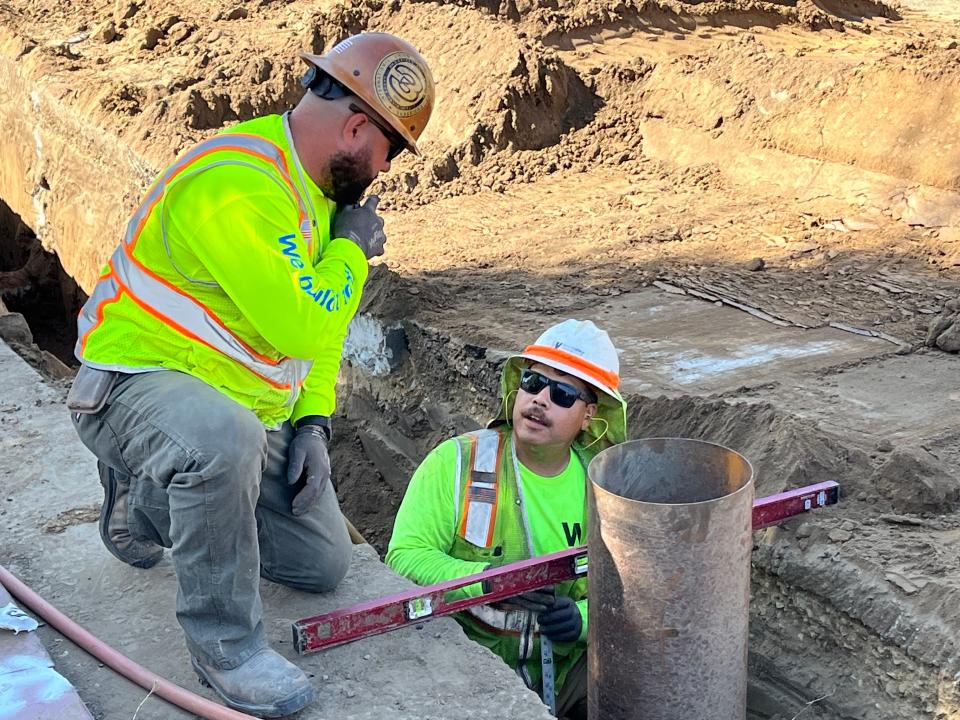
[386,73]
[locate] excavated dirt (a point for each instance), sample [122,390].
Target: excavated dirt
[796,160]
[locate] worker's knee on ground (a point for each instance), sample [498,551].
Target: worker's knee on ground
[318,571]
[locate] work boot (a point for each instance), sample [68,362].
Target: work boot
[114,530]
[267,685]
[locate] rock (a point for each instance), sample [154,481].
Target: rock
[169,22]
[55,368]
[151,37]
[901,582]
[757,263]
[106,33]
[804,531]
[262,70]
[944,331]
[860,222]
[125,10]
[840,536]
[179,32]
[14,329]
[949,339]
[238,13]
[885,446]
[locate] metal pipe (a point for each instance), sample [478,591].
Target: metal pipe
[670,540]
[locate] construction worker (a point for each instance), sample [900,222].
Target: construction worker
[210,350]
[516,490]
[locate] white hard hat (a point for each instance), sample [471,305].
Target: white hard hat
[581,349]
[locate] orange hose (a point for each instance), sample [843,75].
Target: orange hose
[119,662]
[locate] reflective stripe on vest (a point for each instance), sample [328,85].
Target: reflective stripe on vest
[480,518]
[172,305]
[480,504]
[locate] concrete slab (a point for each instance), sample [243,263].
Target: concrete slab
[433,672]
[908,400]
[675,345]
[29,686]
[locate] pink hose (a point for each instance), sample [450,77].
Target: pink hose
[108,656]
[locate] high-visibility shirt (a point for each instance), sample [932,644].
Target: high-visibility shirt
[438,535]
[228,273]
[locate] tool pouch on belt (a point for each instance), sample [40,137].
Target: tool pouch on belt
[90,390]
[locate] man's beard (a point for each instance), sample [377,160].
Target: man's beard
[349,177]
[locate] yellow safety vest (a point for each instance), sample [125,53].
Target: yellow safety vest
[158,304]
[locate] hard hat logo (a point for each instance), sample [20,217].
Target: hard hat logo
[386,73]
[401,84]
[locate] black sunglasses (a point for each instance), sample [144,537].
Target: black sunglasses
[561,393]
[397,144]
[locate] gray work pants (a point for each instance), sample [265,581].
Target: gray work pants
[572,698]
[208,481]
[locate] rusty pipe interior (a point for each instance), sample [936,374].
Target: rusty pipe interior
[670,540]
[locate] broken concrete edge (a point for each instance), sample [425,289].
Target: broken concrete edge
[31,686]
[15,331]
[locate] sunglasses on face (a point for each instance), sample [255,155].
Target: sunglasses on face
[561,393]
[397,145]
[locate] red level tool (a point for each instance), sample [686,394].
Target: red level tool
[415,606]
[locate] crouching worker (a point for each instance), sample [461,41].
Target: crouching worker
[518,490]
[210,350]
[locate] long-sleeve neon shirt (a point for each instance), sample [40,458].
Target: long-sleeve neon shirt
[234,243]
[426,522]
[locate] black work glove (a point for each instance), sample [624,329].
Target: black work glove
[562,622]
[307,456]
[535,600]
[362,225]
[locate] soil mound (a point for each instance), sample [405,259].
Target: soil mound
[787,451]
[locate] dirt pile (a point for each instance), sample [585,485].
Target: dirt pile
[191,68]
[789,452]
[559,20]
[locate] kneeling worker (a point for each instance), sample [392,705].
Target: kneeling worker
[210,350]
[518,490]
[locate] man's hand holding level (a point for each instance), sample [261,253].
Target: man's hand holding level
[562,622]
[559,617]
